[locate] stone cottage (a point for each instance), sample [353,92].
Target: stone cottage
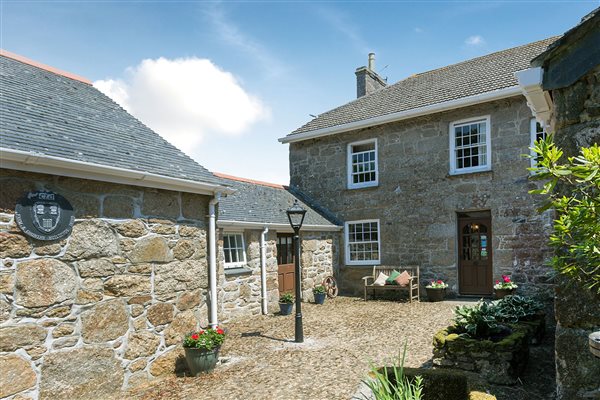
[109,249]
[429,171]
[562,88]
[256,247]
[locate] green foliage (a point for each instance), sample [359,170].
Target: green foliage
[516,308]
[392,384]
[573,191]
[478,321]
[286,298]
[319,289]
[205,339]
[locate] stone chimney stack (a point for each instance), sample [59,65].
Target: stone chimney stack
[367,80]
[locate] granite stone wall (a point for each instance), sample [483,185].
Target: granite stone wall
[577,310]
[319,250]
[106,307]
[417,200]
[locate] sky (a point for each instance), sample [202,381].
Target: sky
[224,80]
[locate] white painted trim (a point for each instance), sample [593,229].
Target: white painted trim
[398,116]
[41,163]
[488,145]
[212,260]
[236,264]
[539,101]
[349,165]
[347,243]
[277,227]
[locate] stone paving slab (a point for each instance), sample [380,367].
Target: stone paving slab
[342,338]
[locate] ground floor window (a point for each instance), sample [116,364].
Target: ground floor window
[234,250]
[362,242]
[537,132]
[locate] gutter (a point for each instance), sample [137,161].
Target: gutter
[212,260]
[263,271]
[538,100]
[402,115]
[277,227]
[41,163]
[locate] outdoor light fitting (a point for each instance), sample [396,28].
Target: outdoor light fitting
[296,215]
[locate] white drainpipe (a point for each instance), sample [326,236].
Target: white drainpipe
[212,259]
[263,270]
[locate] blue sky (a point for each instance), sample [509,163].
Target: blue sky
[224,80]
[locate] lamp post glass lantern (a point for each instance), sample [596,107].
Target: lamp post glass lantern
[296,216]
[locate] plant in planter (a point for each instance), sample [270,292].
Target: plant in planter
[526,311]
[286,302]
[320,292]
[202,349]
[505,287]
[436,290]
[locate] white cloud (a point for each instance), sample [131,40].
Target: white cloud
[186,100]
[475,40]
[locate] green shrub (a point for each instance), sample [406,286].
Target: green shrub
[319,289]
[390,383]
[478,321]
[516,308]
[286,298]
[573,191]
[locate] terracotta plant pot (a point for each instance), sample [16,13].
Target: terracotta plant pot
[500,293]
[320,298]
[435,295]
[285,308]
[201,361]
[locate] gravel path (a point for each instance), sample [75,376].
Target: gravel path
[342,338]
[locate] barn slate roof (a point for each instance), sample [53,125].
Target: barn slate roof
[64,116]
[468,78]
[266,203]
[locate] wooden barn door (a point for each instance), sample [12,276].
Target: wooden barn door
[285,262]
[475,253]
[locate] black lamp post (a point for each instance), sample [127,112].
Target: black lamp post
[296,216]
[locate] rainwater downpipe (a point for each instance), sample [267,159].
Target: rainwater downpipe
[212,259]
[263,270]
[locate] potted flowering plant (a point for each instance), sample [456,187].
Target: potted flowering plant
[436,290]
[505,287]
[202,349]
[320,292]
[286,302]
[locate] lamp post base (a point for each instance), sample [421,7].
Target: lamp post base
[299,334]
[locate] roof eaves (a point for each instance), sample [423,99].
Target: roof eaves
[41,163]
[402,115]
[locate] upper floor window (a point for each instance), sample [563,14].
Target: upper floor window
[234,250]
[362,242]
[537,132]
[470,146]
[362,164]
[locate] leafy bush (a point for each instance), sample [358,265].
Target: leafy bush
[286,298]
[478,321]
[516,308]
[319,289]
[397,387]
[205,339]
[573,191]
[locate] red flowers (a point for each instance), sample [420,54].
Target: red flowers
[207,339]
[220,331]
[195,336]
[506,278]
[439,281]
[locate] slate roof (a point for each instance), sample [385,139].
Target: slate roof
[472,77]
[47,112]
[265,203]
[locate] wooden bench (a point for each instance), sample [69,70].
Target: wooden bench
[412,287]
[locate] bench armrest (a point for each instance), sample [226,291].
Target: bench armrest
[366,279]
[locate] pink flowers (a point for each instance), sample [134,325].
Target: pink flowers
[506,283]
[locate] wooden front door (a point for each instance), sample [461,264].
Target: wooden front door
[475,253]
[285,262]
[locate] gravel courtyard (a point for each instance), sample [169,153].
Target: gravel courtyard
[342,337]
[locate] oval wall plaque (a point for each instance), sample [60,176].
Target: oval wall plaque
[44,215]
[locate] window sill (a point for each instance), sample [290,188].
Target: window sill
[369,265]
[374,185]
[237,271]
[469,174]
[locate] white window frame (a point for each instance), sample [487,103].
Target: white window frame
[532,139]
[237,264]
[488,144]
[352,185]
[347,239]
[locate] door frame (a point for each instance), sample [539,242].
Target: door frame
[292,256]
[474,215]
